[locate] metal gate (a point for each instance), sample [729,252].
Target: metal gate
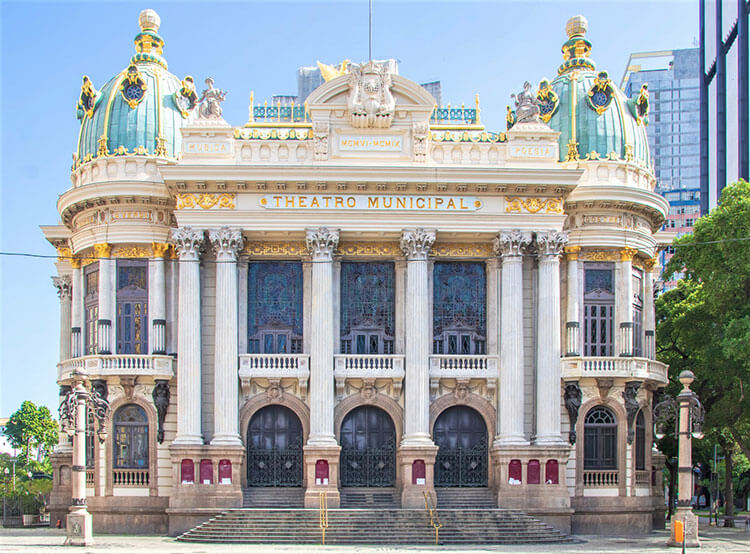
[12,511]
[368,449]
[461,435]
[274,448]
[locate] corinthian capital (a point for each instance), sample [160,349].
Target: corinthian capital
[511,243]
[188,242]
[63,286]
[322,243]
[227,242]
[550,243]
[417,243]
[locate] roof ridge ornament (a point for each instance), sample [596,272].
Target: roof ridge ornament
[149,45]
[576,50]
[370,101]
[209,106]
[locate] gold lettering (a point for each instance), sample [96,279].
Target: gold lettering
[451,205]
[277,198]
[422,201]
[463,207]
[372,202]
[326,198]
[351,202]
[289,202]
[411,203]
[438,203]
[314,202]
[303,201]
[388,202]
[401,203]
[339,202]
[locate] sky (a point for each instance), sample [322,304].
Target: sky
[486,48]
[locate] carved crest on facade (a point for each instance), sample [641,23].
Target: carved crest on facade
[370,102]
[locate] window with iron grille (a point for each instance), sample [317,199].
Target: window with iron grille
[132,307]
[459,308]
[91,306]
[637,312]
[640,442]
[131,437]
[367,307]
[274,308]
[600,439]
[598,309]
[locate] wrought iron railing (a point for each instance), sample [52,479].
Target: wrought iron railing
[455,116]
[280,114]
[130,478]
[430,506]
[277,467]
[601,478]
[462,467]
[369,467]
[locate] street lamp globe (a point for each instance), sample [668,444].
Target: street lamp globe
[686,377]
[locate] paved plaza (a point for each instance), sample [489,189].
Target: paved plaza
[45,540]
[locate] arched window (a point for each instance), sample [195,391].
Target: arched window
[274,308]
[132,307]
[367,307]
[598,309]
[640,442]
[600,439]
[131,438]
[459,312]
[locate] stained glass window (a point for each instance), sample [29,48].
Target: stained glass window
[367,307]
[459,309]
[91,306]
[274,307]
[598,309]
[131,437]
[132,307]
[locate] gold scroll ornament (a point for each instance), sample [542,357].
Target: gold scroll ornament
[205,200]
[533,205]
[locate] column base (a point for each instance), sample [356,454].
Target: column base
[690,528]
[188,440]
[550,440]
[413,488]
[79,528]
[315,479]
[509,440]
[228,439]
[417,440]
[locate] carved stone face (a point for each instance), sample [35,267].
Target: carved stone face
[371,85]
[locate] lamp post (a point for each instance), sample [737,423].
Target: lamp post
[73,420]
[688,413]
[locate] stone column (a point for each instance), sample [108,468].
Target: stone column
[321,447]
[188,242]
[79,528]
[573,323]
[104,337]
[649,322]
[227,243]
[63,284]
[549,246]
[510,411]
[416,245]
[76,315]
[157,301]
[624,302]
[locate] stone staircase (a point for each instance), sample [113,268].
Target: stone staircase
[370,498]
[273,497]
[465,498]
[378,527]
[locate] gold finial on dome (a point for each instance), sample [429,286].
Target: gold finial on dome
[149,20]
[576,26]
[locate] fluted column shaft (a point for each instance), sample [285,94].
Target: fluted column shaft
[624,303]
[64,286]
[416,245]
[321,243]
[227,243]
[104,338]
[549,247]
[649,309]
[76,311]
[510,412]
[188,242]
[157,301]
[573,323]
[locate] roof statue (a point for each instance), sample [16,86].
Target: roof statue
[329,72]
[210,102]
[370,102]
[527,106]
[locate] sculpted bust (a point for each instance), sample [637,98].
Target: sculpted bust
[370,101]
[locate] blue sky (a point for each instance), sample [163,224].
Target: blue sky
[489,48]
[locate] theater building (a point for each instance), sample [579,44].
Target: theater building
[366,295]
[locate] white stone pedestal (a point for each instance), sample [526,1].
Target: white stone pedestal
[690,528]
[79,527]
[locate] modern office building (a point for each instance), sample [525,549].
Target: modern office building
[366,299]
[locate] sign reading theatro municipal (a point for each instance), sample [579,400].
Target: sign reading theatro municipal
[365,295]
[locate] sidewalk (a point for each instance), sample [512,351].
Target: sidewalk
[43,540]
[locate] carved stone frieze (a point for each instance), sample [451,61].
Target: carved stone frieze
[188,242]
[420,132]
[511,243]
[461,250]
[417,243]
[322,243]
[272,249]
[550,243]
[320,140]
[604,384]
[388,249]
[227,242]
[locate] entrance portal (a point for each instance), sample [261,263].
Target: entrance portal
[274,448]
[461,435]
[368,448]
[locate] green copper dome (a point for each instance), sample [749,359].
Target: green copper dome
[140,110]
[594,117]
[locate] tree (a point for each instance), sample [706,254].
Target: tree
[31,427]
[704,323]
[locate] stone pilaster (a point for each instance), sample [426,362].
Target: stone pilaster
[76,311]
[321,244]
[649,317]
[573,323]
[416,245]
[549,246]
[64,287]
[104,325]
[227,243]
[188,242]
[624,302]
[510,411]
[157,298]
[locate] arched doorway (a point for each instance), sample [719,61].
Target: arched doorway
[368,448]
[461,435]
[274,448]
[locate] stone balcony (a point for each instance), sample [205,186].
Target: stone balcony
[641,369]
[274,368]
[98,366]
[368,367]
[463,368]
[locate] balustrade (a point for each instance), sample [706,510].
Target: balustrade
[114,364]
[374,365]
[130,478]
[642,478]
[629,368]
[89,477]
[454,365]
[601,478]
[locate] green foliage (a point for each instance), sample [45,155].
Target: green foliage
[30,427]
